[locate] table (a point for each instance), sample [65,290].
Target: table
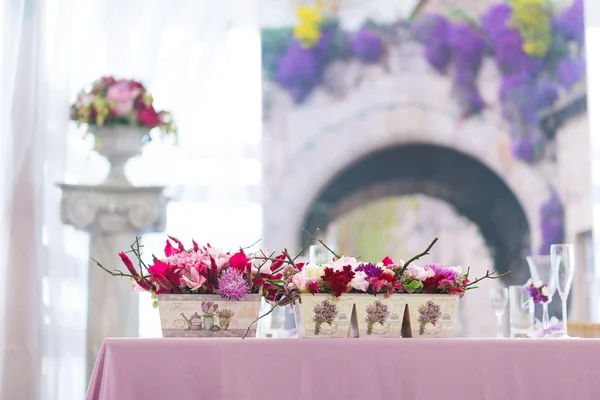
[369,369]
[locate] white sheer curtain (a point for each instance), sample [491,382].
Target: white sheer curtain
[201,61]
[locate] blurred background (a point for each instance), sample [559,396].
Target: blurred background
[384,123]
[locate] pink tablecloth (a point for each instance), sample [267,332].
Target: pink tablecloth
[296,369]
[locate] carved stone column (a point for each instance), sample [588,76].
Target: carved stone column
[113,215]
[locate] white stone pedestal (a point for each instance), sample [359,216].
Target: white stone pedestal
[114,216]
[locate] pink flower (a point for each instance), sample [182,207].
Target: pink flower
[420,273]
[149,117]
[85,99]
[239,261]
[339,264]
[191,278]
[302,282]
[359,282]
[122,95]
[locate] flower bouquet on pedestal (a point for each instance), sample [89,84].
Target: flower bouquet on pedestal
[203,291]
[120,114]
[348,298]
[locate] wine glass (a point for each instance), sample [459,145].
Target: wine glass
[499,299]
[541,270]
[563,268]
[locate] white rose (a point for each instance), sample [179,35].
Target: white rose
[339,264]
[544,291]
[388,271]
[359,282]
[538,284]
[313,270]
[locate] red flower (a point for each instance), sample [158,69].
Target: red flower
[338,280]
[387,277]
[277,264]
[313,287]
[164,274]
[170,250]
[131,268]
[148,116]
[387,261]
[239,261]
[299,266]
[180,245]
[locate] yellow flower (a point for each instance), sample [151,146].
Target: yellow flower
[531,18]
[308,31]
[102,110]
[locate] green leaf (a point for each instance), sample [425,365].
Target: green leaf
[415,285]
[155,304]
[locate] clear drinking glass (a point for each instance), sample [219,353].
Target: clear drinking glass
[499,299]
[318,254]
[520,312]
[541,270]
[563,268]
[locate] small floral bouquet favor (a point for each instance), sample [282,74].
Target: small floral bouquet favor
[110,102]
[203,291]
[385,297]
[538,291]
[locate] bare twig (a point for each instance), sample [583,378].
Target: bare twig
[426,252]
[310,240]
[284,301]
[327,247]
[116,272]
[488,275]
[291,260]
[252,245]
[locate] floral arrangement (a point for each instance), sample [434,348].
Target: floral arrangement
[202,270]
[537,49]
[348,275]
[538,291]
[109,101]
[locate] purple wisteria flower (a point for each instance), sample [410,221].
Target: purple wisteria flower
[376,313]
[433,30]
[495,21]
[569,72]
[232,284]
[367,46]
[371,270]
[553,226]
[467,45]
[523,149]
[429,312]
[570,22]
[547,94]
[298,71]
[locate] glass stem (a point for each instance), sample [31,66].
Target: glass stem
[500,325]
[545,317]
[564,315]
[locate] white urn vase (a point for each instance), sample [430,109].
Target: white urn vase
[118,144]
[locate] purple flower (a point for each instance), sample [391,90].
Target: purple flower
[367,46]
[466,92]
[467,45]
[570,22]
[433,30]
[232,284]
[547,94]
[536,293]
[370,269]
[298,71]
[495,21]
[552,225]
[522,149]
[324,312]
[569,72]
[443,272]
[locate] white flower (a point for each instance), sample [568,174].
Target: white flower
[313,271]
[538,284]
[544,291]
[388,271]
[340,263]
[359,282]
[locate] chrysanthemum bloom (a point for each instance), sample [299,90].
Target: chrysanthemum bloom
[232,284]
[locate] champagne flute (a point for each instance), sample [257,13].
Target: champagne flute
[499,299]
[563,268]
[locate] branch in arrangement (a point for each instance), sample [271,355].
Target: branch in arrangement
[488,275]
[331,251]
[310,240]
[116,272]
[252,245]
[282,302]
[426,252]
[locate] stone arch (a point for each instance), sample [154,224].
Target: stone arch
[290,192]
[474,190]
